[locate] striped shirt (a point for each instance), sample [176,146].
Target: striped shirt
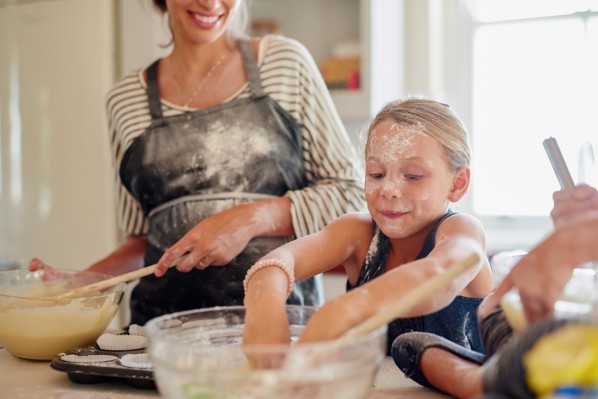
[291,77]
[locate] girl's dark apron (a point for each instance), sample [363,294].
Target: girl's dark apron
[185,168]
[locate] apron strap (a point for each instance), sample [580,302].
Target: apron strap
[250,64]
[153,91]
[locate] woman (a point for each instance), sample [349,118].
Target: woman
[224,149]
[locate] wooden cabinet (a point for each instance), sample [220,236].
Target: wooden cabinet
[376,25]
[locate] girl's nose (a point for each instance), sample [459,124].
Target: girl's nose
[391,188]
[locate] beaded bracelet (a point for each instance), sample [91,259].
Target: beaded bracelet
[271,262]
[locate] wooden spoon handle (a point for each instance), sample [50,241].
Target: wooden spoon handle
[110,282]
[412,298]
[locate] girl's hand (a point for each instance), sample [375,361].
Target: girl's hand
[333,319]
[265,325]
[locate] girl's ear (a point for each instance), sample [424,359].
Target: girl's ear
[460,184]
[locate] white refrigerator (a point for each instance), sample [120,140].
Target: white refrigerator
[57,61]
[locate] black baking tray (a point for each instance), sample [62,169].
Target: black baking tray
[92,373]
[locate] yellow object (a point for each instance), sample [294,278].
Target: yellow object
[37,328]
[568,356]
[338,71]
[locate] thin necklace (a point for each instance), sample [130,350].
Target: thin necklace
[201,84]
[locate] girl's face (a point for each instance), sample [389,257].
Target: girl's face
[201,21]
[408,180]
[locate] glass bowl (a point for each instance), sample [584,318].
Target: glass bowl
[198,354]
[35,327]
[579,298]
[10,263]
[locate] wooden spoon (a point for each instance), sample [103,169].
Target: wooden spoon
[103,284]
[412,298]
[387,314]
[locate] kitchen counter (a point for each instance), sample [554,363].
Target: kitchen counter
[24,379]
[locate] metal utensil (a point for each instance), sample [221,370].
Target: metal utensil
[558,164]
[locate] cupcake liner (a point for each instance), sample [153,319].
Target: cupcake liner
[72,358]
[136,329]
[136,360]
[121,342]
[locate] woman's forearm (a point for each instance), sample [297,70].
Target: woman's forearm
[270,218]
[128,256]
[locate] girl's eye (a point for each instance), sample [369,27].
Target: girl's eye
[376,176]
[413,177]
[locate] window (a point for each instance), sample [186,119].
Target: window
[533,75]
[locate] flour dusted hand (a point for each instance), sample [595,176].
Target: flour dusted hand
[216,240]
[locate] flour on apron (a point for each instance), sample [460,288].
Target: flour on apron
[185,168]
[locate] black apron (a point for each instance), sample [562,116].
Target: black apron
[185,168]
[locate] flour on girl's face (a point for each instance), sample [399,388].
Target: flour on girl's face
[397,150]
[391,143]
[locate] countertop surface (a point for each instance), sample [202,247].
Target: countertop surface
[24,379]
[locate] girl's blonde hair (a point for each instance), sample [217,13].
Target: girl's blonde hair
[433,118]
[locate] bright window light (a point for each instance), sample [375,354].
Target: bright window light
[532,79]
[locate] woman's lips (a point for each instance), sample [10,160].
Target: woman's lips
[205,21]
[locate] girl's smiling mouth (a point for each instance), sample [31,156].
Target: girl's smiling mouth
[392,214]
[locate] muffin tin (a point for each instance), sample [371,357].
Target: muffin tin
[112,370]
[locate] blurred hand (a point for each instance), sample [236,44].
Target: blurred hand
[36,264]
[46,271]
[549,276]
[574,206]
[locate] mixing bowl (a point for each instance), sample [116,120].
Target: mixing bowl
[8,263]
[35,327]
[578,300]
[198,354]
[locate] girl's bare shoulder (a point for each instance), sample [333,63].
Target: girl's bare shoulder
[462,222]
[355,220]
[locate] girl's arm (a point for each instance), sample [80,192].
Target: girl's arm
[340,243]
[456,238]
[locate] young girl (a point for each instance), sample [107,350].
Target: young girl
[417,162]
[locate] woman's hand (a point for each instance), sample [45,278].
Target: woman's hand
[46,271]
[127,257]
[216,240]
[36,264]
